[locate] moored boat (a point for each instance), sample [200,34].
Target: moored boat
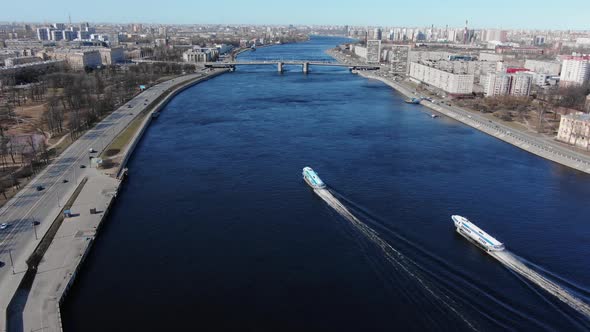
[413,101]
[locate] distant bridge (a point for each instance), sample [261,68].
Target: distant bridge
[281,63]
[305,64]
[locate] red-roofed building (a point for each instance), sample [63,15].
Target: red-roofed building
[515,70]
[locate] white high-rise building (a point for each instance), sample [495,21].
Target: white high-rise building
[496,85]
[452,35]
[521,84]
[495,35]
[502,84]
[373,51]
[575,70]
[456,84]
[400,59]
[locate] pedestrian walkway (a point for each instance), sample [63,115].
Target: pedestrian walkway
[70,245]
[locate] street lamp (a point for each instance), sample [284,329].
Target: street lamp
[11,261]
[34,223]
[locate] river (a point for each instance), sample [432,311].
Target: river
[215,230]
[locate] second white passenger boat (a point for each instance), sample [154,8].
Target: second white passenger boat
[476,235]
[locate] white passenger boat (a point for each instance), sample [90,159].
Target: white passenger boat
[312,178]
[476,235]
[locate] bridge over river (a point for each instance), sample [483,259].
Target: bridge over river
[305,64]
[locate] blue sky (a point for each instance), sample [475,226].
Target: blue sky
[541,14]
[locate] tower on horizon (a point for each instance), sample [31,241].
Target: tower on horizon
[465,33]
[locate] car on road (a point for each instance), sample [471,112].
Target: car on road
[39,188]
[82,166]
[129,106]
[91,150]
[64,181]
[3,225]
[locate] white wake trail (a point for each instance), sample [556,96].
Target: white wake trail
[392,255]
[515,264]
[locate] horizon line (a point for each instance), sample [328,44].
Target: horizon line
[293,24]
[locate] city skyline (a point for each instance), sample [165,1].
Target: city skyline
[294,165]
[500,14]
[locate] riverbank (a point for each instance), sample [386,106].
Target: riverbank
[35,304]
[146,117]
[535,144]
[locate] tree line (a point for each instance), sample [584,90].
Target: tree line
[73,101]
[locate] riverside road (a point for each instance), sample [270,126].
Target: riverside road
[59,180]
[539,145]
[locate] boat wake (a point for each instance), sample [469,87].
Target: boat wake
[391,254]
[517,265]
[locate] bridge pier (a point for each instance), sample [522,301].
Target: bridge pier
[305,67]
[280,67]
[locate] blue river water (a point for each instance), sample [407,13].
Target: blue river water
[215,230]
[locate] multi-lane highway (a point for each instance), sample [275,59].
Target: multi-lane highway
[59,180]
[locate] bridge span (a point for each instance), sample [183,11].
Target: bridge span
[305,65]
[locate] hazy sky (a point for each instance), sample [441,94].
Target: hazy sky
[542,14]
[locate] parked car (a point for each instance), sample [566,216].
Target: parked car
[64,181]
[3,225]
[82,166]
[39,188]
[91,150]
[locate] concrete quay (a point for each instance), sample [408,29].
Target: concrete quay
[171,93]
[533,143]
[56,273]
[537,145]
[32,303]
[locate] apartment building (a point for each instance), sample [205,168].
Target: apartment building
[455,84]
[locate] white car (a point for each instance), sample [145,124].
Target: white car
[3,225]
